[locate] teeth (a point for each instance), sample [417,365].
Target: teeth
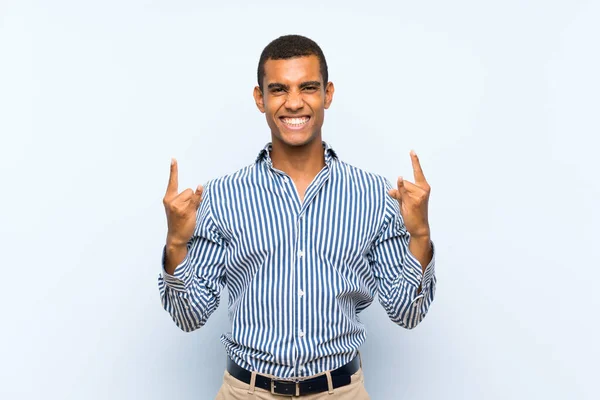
[295,121]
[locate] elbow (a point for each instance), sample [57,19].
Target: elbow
[188,315]
[190,320]
[412,323]
[410,313]
[409,317]
[406,322]
[186,327]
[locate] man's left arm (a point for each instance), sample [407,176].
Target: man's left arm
[404,268]
[403,257]
[413,199]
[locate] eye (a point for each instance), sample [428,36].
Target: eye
[277,90]
[310,88]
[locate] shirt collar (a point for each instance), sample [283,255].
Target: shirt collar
[265,154]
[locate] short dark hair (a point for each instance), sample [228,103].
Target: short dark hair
[291,46]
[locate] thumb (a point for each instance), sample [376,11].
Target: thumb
[395,194]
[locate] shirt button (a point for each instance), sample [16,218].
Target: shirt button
[300,253]
[301,368]
[301,334]
[301,292]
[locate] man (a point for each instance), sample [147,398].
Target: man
[303,242]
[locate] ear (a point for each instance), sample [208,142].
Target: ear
[259,99]
[329,89]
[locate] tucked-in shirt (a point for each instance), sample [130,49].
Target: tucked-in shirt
[298,272]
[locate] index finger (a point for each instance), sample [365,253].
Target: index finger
[173,178]
[418,171]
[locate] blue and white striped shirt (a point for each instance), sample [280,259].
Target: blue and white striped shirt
[298,272]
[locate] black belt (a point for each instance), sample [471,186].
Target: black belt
[339,377]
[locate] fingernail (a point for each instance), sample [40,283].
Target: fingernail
[172,161]
[412,153]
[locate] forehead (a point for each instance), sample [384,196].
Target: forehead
[293,71]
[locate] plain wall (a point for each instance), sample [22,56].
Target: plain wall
[500,99]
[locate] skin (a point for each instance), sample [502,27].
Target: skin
[295,88]
[181,218]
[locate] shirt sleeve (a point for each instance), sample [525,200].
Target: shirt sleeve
[192,293]
[398,272]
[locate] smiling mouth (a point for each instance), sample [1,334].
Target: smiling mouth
[295,122]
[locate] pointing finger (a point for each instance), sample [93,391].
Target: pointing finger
[418,171]
[173,178]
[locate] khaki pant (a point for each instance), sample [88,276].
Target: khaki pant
[233,389]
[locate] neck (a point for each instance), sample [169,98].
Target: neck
[299,162]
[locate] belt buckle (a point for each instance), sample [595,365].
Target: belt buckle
[297,384]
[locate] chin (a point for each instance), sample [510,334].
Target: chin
[296,139]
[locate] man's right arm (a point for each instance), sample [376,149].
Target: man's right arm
[191,293]
[193,257]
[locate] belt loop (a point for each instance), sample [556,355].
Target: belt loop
[329,382]
[252,382]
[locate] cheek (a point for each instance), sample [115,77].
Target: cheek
[317,104]
[273,104]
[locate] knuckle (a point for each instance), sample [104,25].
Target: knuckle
[178,210]
[173,205]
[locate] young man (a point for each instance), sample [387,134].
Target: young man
[303,242]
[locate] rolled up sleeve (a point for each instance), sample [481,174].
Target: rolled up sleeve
[192,293]
[398,272]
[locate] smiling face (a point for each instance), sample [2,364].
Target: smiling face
[294,99]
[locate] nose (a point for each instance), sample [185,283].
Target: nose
[294,101]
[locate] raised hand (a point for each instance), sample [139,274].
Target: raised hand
[181,209]
[414,200]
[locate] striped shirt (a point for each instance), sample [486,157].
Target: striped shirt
[298,272]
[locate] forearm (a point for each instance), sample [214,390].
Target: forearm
[189,298]
[420,247]
[175,254]
[190,309]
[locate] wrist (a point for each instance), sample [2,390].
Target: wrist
[174,255]
[174,243]
[421,238]
[419,231]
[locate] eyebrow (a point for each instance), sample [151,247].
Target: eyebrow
[310,83]
[287,87]
[278,86]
